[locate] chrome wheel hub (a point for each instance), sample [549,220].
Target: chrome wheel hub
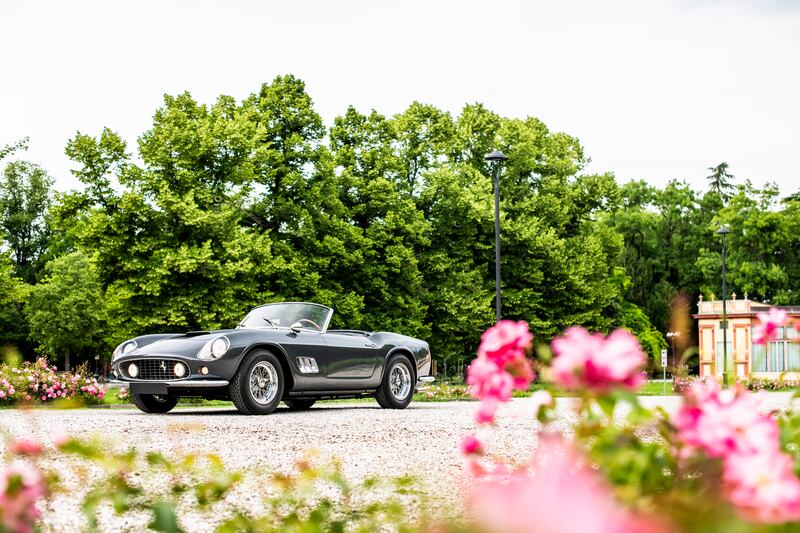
[263,382]
[400,381]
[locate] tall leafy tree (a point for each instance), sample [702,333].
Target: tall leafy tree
[720,181]
[66,310]
[24,200]
[13,295]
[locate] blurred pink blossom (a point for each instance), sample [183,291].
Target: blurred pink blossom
[59,437]
[769,322]
[597,363]
[24,447]
[487,380]
[486,411]
[763,487]
[541,398]
[722,422]
[21,486]
[471,445]
[505,341]
[558,493]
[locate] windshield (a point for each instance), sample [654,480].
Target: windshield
[313,317]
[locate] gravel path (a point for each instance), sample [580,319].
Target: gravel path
[420,441]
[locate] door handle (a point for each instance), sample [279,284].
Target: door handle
[371,344]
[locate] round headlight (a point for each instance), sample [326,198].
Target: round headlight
[133,370]
[128,347]
[219,347]
[180,370]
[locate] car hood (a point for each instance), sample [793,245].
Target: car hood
[188,344]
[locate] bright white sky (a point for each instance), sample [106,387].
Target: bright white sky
[653,89]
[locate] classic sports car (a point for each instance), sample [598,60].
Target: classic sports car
[281,351]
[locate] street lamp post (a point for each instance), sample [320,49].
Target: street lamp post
[496,158]
[724,230]
[672,335]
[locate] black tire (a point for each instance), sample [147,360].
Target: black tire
[299,404]
[154,403]
[385,397]
[242,396]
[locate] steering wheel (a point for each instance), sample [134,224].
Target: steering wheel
[310,322]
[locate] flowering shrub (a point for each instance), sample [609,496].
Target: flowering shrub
[770,384]
[718,452]
[443,391]
[501,367]
[596,363]
[39,382]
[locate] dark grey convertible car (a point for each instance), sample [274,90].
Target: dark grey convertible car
[281,351]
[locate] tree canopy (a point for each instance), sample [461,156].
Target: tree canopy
[389,219]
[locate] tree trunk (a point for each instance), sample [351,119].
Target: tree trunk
[66,360]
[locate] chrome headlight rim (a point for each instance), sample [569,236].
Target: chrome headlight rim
[124,348]
[214,349]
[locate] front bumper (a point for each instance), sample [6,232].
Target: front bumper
[183,384]
[423,382]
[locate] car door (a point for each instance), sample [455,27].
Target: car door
[307,345]
[350,356]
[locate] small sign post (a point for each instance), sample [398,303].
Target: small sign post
[664,368]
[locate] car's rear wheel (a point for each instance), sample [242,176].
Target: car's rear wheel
[257,387]
[154,403]
[299,405]
[397,386]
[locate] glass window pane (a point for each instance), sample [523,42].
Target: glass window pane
[776,361]
[791,333]
[721,357]
[792,356]
[759,355]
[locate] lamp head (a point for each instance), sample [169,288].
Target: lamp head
[497,155]
[724,230]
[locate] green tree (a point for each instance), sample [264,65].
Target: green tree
[24,200]
[66,309]
[13,295]
[720,181]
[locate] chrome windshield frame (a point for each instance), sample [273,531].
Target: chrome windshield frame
[327,321]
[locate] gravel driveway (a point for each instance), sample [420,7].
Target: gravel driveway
[421,440]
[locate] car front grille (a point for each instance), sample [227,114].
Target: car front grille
[154,369]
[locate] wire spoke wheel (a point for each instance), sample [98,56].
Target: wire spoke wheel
[263,382]
[400,381]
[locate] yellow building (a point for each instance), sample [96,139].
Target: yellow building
[745,358]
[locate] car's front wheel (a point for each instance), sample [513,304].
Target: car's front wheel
[154,403]
[257,387]
[397,386]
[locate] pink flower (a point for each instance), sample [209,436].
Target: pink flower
[471,445]
[763,487]
[59,438]
[487,380]
[558,493]
[541,398]
[20,487]
[486,411]
[24,447]
[597,363]
[723,422]
[504,341]
[767,329]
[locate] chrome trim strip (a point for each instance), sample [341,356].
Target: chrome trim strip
[194,384]
[426,379]
[198,384]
